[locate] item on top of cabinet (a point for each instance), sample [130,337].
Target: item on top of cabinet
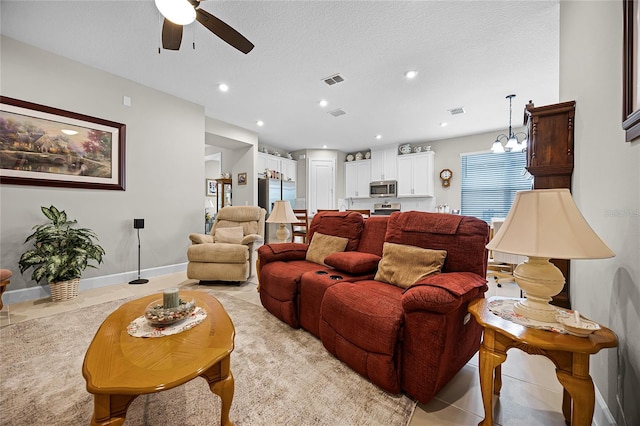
[367,155]
[427,148]
[265,150]
[289,156]
[359,156]
[277,154]
[349,157]
[417,149]
[405,149]
[225,175]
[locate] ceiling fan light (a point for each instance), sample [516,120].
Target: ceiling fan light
[180,12]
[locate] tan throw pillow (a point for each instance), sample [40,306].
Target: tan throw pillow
[231,235]
[323,245]
[404,265]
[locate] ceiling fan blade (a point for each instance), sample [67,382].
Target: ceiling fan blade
[171,35]
[224,31]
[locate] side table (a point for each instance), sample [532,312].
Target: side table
[570,354]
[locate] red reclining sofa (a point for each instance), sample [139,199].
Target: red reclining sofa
[411,340]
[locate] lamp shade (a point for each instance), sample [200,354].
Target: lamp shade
[282,213]
[497,146]
[547,223]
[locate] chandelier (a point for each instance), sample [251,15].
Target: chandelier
[513,144]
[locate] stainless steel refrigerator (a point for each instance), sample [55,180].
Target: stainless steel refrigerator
[272,190]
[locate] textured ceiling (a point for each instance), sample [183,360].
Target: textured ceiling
[469,54]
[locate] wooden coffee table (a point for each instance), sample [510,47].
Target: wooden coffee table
[119,367]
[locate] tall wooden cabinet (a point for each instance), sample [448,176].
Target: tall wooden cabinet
[550,159]
[224,192]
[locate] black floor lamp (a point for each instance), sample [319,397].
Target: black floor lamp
[137,225]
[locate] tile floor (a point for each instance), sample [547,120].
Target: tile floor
[531,394]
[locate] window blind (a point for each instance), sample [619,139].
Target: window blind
[490,182]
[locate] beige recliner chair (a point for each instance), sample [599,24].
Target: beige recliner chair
[225,254]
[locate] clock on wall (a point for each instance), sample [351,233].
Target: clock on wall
[445,177]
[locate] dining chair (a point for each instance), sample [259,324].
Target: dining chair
[299,229]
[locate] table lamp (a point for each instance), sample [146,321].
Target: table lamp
[282,214]
[544,224]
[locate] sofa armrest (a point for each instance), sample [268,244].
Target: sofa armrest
[282,252]
[252,238]
[443,292]
[200,238]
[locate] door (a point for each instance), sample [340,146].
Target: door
[321,185]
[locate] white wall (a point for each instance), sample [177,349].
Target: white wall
[244,155]
[448,157]
[164,167]
[606,187]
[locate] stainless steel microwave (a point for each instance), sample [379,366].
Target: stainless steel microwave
[383,188]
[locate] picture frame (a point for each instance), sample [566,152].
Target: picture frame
[631,71]
[211,187]
[242,178]
[46,146]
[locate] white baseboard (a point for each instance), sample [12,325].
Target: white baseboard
[601,414]
[40,292]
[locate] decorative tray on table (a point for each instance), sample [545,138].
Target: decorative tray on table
[159,316]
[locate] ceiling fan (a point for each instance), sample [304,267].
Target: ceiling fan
[183,12]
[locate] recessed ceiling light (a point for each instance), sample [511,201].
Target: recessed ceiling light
[378,136]
[411,74]
[260,123]
[324,146]
[223,87]
[323,103]
[69,132]
[443,124]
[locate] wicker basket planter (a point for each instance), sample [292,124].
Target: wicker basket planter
[64,290]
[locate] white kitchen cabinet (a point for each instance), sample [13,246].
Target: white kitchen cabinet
[357,176]
[384,163]
[286,167]
[416,175]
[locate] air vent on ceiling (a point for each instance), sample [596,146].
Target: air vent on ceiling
[337,112]
[456,111]
[333,79]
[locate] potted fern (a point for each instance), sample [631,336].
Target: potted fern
[60,253]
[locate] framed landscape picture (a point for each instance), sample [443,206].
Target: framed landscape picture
[45,146]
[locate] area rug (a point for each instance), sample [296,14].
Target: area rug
[282,377]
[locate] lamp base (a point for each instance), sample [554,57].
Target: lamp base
[282,234]
[536,311]
[539,279]
[139,281]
